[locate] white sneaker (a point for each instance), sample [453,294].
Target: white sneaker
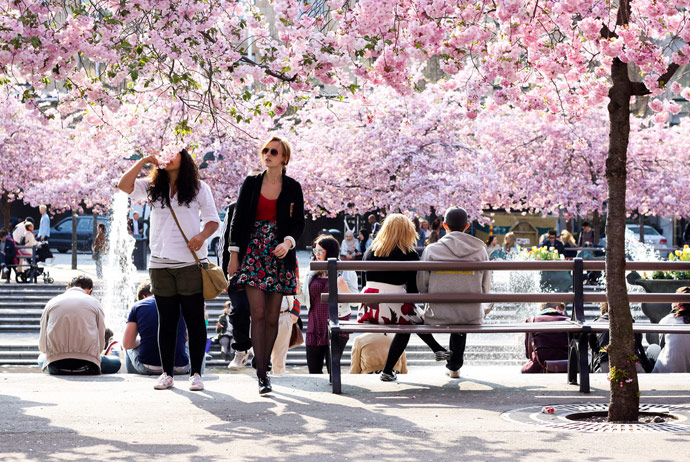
[239,361]
[453,374]
[164,382]
[195,383]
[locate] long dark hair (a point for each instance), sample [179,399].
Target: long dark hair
[329,244]
[188,182]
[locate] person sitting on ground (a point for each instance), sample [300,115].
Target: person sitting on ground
[143,356]
[510,245]
[112,346]
[455,246]
[568,242]
[675,348]
[547,351]
[369,353]
[72,333]
[551,242]
[224,331]
[599,342]
[350,247]
[8,252]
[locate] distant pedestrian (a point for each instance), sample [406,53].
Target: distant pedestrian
[586,238]
[98,249]
[374,225]
[44,224]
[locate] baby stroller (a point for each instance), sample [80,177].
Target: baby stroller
[27,274]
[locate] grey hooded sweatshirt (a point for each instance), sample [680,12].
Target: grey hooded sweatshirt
[455,246]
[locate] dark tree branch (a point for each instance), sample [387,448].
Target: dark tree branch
[640,89]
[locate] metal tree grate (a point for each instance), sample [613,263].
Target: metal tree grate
[559,420]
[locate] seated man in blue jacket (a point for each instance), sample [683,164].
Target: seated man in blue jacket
[143,356]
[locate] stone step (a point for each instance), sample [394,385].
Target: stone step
[21,312]
[19,321]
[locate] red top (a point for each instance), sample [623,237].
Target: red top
[266,210]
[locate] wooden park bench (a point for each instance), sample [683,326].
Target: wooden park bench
[577,328]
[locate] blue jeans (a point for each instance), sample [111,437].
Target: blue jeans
[109,365]
[135,366]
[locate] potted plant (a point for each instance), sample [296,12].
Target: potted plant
[550,281]
[663,282]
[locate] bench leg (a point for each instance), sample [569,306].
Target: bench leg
[336,355]
[572,359]
[584,363]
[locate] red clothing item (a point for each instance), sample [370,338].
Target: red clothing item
[266,209]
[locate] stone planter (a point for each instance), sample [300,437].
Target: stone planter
[656,311]
[555,281]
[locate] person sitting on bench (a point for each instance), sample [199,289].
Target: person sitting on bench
[675,348]
[547,351]
[455,246]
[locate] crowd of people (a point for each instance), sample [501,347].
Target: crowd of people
[165,334]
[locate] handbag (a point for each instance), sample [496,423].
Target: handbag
[296,337]
[212,276]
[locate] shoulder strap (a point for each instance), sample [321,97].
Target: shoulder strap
[183,234]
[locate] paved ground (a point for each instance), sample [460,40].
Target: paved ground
[425,416]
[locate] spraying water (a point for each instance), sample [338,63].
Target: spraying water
[120,272]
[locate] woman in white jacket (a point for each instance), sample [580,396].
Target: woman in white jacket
[316,283]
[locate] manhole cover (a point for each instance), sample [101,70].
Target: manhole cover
[561,418]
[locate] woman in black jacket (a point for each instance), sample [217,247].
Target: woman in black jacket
[268,221]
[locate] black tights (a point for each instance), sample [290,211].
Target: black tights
[265,311]
[192,307]
[399,344]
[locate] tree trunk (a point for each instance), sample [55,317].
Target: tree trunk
[5,209]
[625,399]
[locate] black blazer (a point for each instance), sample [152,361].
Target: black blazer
[289,211]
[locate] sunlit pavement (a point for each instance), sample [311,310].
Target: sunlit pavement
[424,416]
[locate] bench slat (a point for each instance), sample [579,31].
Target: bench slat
[645,327]
[464,297]
[556,326]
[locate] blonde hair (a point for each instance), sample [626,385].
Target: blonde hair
[567,238]
[397,231]
[286,149]
[509,237]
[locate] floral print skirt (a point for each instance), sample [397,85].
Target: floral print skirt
[387,313]
[260,268]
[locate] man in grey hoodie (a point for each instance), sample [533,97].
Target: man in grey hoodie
[455,246]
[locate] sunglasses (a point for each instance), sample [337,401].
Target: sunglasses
[273,152]
[319,252]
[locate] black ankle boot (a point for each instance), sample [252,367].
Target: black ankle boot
[265,385]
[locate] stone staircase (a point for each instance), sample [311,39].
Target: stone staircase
[21,306]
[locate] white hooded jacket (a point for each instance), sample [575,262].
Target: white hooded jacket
[455,246]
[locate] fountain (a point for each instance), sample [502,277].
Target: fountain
[120,273]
